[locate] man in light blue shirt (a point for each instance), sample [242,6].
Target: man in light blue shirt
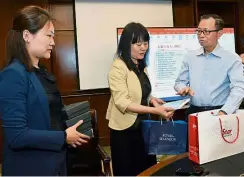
[212,75]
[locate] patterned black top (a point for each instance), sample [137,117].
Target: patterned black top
[48,82]
[146,90]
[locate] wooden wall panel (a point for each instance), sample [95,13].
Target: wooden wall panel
[240,25]
[7,11]
[227,11]
[63,15]
[64,61]
[232,1]
[183,13]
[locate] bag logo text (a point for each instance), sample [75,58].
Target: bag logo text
[167,137]
[226,133]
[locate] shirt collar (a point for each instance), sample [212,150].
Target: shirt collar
[216,52]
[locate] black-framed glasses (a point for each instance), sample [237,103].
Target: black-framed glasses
[205,31]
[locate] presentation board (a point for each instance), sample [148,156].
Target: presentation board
[96,23]
[167,49]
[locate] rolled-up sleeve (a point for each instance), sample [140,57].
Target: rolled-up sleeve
[182,80]
[236,95]
[118,86]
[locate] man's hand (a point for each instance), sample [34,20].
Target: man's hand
[221,113]
[242,57]
[185,91]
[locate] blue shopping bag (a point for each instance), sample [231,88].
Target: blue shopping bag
[163,137]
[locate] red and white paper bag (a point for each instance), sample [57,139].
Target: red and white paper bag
[213,137]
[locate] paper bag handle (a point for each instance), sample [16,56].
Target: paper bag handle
[222,134]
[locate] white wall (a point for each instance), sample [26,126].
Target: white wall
[96,24]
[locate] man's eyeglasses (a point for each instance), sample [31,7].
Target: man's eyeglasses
[205,32]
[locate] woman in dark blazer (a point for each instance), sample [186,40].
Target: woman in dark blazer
[34,142]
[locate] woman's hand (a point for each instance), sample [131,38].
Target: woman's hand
[156,102]
[165,112]
[75,138]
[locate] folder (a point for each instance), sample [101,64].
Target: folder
[177,104]
[76,109]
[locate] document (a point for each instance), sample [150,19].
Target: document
[177,104]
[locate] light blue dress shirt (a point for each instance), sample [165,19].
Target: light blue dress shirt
[215,78]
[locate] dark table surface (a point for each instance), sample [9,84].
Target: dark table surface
[229,166]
